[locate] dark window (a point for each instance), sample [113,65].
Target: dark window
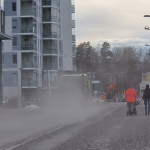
[14,41]
[14,24]
[15,59]
[13,6]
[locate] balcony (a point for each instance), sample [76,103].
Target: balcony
[28,29]
[54,84]
[50,67]
[47,34]
[28,82]
[73,8]
[49,3]
[73,38]
[28,47]
[49,50]
[74,53]
[29,64]
[49,18]
[28,12]
[73,23]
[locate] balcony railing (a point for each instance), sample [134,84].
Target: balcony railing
[27,82]
[29,64]
[53,83]
[28,46]
[47,34]
[74,68]
[49,3]
[28,12]
[49,18]
[28,29]
[73,38]
[50,67]
[73,23]
[73,8]
[74,53]
[49,50]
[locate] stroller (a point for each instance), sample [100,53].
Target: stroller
[134,110]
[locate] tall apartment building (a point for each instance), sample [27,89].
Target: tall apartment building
[43,43]
[3,37]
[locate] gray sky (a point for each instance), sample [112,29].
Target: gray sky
[118,22]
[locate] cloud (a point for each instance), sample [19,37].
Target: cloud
[136,42]
[111,19]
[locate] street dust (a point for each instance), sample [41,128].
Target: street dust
[68,104]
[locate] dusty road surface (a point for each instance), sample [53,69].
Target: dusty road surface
[105,128]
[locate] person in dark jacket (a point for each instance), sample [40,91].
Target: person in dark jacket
[146,97]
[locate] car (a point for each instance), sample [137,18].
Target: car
[123,99]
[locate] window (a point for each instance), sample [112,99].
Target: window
[14,41]
[14,24]
[15,59]
[15,78]
[13,6]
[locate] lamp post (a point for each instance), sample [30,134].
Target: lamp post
[20,99]
[49,85]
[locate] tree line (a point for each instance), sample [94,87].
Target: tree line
[123,64]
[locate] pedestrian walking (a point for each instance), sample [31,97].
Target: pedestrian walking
[146,98]
[130,98]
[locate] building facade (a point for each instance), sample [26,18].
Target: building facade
[145,80]
[3,37]
[43,40]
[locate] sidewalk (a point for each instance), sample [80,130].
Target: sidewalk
[18,124]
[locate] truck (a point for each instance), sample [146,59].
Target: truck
[77,88]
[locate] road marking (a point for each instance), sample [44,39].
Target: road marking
[34,138]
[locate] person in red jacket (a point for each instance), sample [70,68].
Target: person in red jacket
[130,98]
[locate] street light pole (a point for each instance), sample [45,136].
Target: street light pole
[20,99]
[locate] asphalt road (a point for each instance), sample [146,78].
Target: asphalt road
[110,129]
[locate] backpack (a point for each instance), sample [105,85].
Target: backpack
[147,94]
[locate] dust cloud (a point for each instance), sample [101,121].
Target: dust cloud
[68,104]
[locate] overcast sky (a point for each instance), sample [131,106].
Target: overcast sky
[118,22]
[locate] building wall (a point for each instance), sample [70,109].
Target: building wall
[66,33]
[147,76]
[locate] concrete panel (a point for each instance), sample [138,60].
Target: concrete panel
[8,60]
[8,46]
[8,8]
[8,25]
[10,92]
[8,79]
[66,33]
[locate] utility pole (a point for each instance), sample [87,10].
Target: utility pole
[20,99]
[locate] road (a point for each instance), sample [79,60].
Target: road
[109,129]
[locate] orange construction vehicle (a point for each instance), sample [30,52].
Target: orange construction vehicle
[111,91]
